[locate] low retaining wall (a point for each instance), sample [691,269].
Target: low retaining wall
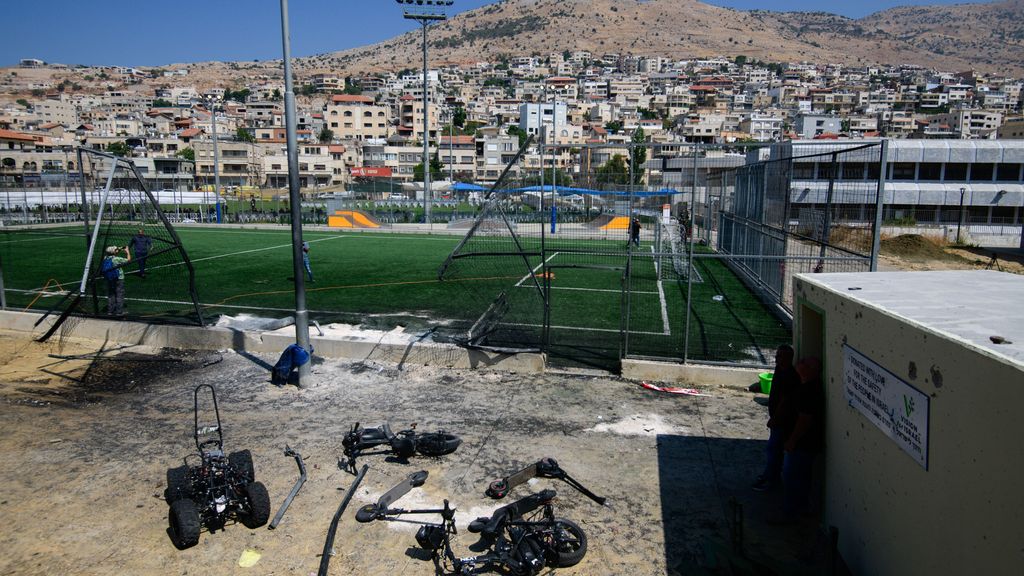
[689,374]
[217,338]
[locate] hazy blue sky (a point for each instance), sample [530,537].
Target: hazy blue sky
[151,32]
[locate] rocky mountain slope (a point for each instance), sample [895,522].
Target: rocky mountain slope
[984,37]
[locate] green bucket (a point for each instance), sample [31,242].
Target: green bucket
[766,382]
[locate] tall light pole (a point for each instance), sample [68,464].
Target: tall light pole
[426,11]
[216,157]
[301,314]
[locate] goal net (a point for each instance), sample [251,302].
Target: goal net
[121,219]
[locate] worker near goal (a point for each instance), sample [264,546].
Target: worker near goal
[140,245]
[113,271]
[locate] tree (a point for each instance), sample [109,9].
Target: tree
[741,60]
[614,171]
[23,102]
[561,179]
[161,103]
[243,135]
[276,96]
[514,130]
[435,170]
[307,90]
[236,95]
[639,155]
[326,135]
[459,117]
[187,153]
[614,126]
[118,148]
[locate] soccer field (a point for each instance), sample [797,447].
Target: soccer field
[382,280]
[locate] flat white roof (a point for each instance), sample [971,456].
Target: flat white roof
[969,306]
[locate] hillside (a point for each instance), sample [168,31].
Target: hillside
[984,37]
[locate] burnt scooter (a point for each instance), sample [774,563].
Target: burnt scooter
[381,440]
[217,488]
[523,537]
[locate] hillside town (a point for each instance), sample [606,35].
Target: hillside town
[372,125]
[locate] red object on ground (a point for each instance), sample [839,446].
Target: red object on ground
[671,390]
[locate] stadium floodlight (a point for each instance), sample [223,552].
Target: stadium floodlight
[427,11]
[295,200]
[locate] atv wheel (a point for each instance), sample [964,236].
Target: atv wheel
[185,525]
[259,505]
[178,484]
[241,461]
[437,443]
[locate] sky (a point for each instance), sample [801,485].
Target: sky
[153,33]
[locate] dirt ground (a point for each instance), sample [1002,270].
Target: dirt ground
[87,443]
[914,252]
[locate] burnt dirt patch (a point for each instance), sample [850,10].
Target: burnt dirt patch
[129,371]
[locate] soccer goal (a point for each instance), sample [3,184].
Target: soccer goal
[134,264]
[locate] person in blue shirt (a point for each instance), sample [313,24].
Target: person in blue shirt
[305,261]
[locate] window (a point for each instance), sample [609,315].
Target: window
[803,170]
[380,114]
[334,124]
[348,113]
[1007,172]
[319,167]
[853,170]
[956,172]
[275,166]
[367,114]
[903,171]
[334,112]
[929,171]
[981,172]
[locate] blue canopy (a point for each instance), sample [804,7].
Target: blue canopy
[464,187]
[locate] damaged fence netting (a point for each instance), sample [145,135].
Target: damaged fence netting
[493,271]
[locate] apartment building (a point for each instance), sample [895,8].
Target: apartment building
[238,162]
[532,117]
[352,117]
[967,123]
[458,154]
[410,119]
[762,128]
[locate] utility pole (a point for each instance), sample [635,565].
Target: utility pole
[301,314]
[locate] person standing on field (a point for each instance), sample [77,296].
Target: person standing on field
[140,245]
[305,261]
[113,271]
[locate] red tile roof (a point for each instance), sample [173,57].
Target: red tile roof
[336,149]
[460,139]
[351,98]
[190,132]
[12,135]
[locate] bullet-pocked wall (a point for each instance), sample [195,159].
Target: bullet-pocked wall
[924,377]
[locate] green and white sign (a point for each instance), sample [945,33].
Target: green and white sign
[895,407]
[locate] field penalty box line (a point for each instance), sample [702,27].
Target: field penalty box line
[534,271]
[230,254]
[661,296]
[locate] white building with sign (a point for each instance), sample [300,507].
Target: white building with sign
[923,373]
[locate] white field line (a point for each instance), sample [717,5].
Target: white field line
[288,245]
[35,239]
[661,296]
[589,329]
[537,267]
[594,290]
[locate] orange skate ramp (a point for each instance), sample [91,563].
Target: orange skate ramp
[617,223]
[352,219]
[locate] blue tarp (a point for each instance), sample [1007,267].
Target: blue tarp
[564,190]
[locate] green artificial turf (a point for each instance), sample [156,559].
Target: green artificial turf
[388,279]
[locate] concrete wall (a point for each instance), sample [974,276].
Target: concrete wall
[214,338]
[965,513]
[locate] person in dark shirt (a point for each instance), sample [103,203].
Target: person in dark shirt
[140,245]
[781,418]
[805,440]
[634,231]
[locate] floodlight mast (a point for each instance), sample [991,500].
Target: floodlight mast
[295,199]
[428,11]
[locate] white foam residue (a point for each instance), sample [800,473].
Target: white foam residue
[639,425]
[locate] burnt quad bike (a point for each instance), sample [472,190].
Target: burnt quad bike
[381,440]
[212,488]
